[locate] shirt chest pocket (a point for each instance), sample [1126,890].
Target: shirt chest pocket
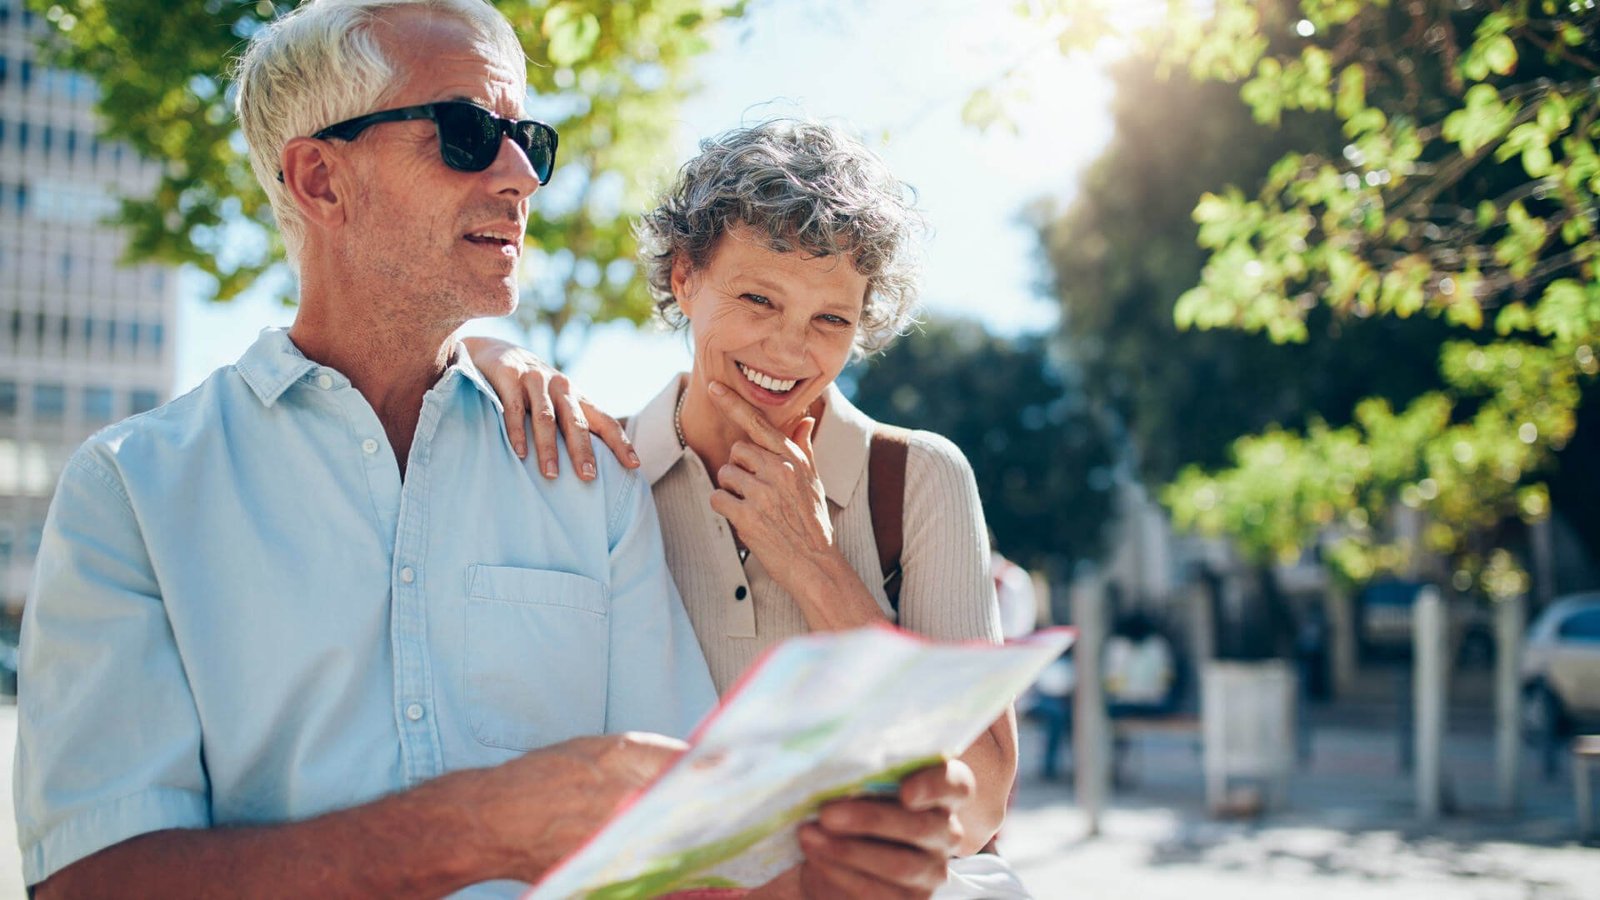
[537,655]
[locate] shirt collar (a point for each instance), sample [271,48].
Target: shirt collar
[273,363]
[843,440]
[654,434]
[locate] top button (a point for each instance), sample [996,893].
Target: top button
[739,592]
[325,381]
[369,446]
[407,575]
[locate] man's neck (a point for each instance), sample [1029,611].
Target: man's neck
[391,364]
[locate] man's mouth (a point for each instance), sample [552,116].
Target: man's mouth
[767,382]
[500,239]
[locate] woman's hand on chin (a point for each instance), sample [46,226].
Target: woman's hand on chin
[770,492]
[528,386]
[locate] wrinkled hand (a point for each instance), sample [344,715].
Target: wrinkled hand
[770,491]
[543,805]
[887,847]
[527,385]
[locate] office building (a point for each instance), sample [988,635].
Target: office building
[84,339]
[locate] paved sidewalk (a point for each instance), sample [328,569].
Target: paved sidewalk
[1349,832]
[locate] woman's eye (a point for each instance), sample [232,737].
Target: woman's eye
[756,299]
[832,319]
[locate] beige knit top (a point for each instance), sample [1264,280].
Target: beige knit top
[738,611]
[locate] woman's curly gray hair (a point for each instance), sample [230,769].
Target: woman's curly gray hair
[807,187]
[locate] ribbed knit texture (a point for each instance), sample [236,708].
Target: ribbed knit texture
[947,593]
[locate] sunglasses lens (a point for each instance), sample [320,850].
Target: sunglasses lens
[469,137]
[539,142]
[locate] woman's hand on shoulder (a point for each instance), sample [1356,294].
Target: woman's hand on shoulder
[528,386]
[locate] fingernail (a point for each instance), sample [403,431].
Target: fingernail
[550,470]
[633,458]
[588,470]
[522,452]
[718,388]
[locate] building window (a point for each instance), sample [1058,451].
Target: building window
[158,335]
[46,138]
[22,135]
[72,143]
[8,398]
[143,400]
[26,73]
[49,402]
[97,404]
[4,64]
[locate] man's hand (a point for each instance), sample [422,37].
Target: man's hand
[542,807]
[527,385]
[894,847]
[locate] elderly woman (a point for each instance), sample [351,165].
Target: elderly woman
[787,249]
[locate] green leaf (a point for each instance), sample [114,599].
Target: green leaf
[1500,54]
[571,33]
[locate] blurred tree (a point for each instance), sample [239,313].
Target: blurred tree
[1463,190]
[1126,247]
[1042,461]
[607,73]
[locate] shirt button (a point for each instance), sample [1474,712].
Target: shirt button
[369,446]
[414,712]
[407,575]
[739,592]
[325,381]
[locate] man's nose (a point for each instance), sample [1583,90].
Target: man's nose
[512,171]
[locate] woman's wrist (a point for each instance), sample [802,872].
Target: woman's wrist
[829,592]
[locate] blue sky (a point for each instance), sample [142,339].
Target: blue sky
[898,72]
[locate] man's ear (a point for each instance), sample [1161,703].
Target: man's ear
[681,273]
[308,166]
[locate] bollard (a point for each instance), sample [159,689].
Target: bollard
[1429,693]
[1091,732]
[1510,614]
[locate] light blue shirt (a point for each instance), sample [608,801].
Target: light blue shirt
[241,614]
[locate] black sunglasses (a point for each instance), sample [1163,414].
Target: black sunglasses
[469,135]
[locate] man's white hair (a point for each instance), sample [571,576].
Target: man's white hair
[320,64]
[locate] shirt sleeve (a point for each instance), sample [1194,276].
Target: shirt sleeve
[946,591]
[658,676]
[108,738]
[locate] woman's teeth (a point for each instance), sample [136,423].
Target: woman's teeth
[762,381]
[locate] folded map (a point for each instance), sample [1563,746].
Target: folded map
[821,716]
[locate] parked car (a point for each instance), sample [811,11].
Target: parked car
[1384,611]
[1561,668]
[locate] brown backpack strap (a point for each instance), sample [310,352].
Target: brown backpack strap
[886,496]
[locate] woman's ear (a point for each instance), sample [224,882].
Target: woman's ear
[308,177]
[682,276]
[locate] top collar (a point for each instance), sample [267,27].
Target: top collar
[273,363]
[843,440]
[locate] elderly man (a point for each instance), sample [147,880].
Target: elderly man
[268,652]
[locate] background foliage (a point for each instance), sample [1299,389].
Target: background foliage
[1041,458]
[608,75]
[1449,218]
